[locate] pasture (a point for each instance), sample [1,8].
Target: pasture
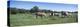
[29,19]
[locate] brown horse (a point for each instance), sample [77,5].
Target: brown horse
[41,14]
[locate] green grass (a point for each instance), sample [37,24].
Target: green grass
[29,19]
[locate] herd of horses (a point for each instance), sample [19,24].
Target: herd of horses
[42,14]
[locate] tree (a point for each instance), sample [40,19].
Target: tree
[13,10]
[34,9]
[21,10]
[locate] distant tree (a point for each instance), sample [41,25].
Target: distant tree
[13,10]
[55,12]
[76,12]
[27,11]
[34,9]
[21,10]
[17,10]
[46,11]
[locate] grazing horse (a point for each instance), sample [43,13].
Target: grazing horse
[64,14]
[51,14]
[54,14]
[41,14]
[59,14]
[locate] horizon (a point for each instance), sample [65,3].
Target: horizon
[48,6]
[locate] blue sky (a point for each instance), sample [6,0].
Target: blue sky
[42,5]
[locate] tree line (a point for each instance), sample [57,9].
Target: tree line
[32,10]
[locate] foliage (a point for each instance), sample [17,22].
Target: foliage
[34,9]
[13,10]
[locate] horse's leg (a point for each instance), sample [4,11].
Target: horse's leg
[62,16]
[36,16]
[41,17]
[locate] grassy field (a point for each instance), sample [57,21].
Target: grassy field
[29,19]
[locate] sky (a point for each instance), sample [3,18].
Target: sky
[44,5]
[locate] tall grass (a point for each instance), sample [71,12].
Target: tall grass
[29,19]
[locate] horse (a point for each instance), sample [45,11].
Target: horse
[59,14]
[41,14]
[64,14]
[54,14]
